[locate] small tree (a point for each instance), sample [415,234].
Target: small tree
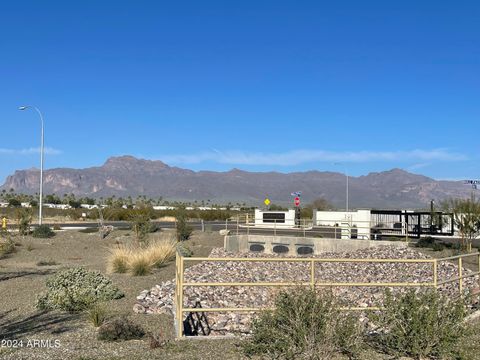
[14,202]
[24,219]
[320,204]
[467,220]
[140,221]
[183,229]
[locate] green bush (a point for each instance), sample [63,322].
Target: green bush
[43,231]
[304,325]
[97,314]
[183,229]
[140,222]
[120,329]
[7,246]
[77,289]
[152,228]
[438,247]
[425,241]
[184,250]
[420,325]
[24,218]
[14,203]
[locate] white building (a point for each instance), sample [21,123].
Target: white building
[352,224]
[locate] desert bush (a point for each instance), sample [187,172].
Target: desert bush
[77,289]
[117,261]
[426,242]
[139,264]
[7,246]
[140,222]
[420,325]
[14,202]
[156,340]
[24,219]
[139,260]
[183,229]
[152,228]
[161,251]
[74,214]
[97,314]
[305,324]
[120,329]
[184,250]
[43,231]
[438,247]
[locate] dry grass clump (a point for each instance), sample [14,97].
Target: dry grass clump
[139,260]
[160,252]
[139,264]
[117,261]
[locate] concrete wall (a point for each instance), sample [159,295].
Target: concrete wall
[242,243]
[350,222]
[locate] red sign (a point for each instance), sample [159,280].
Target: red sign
[297,201]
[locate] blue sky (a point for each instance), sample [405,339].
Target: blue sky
[256,85]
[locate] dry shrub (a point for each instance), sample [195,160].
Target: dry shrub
[120,329]
[139,264]
[139,260]
[7,246]
[117,261]
[161,251]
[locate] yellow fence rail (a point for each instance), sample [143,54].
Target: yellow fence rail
[435,283]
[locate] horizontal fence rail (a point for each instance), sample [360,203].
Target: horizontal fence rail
[435,284]
[333,228]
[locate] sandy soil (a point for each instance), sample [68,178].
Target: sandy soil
[21,280]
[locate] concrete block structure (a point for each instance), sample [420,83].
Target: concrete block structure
[279,219]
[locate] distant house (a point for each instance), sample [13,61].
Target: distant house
[163,207]
[57,206]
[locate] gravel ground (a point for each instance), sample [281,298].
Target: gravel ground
[159,299]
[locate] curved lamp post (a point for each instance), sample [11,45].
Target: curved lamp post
[40,203]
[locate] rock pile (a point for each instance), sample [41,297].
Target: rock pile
[160,299]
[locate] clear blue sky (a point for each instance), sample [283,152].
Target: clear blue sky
[256,85]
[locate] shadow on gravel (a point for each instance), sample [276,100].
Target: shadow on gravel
[4,276]
[55,323]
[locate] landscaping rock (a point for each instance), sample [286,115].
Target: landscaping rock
[160,299]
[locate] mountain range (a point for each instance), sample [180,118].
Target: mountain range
[129,176]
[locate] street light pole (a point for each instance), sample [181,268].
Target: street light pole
[40,202]
[346,195]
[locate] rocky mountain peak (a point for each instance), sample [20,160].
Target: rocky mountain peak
[128,162]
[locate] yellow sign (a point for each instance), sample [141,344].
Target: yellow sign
[267,201]
[4,223]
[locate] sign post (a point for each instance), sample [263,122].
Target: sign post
[296,202]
